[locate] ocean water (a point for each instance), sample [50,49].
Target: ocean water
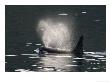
[91,62]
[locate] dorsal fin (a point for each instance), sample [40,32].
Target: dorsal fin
[78,50]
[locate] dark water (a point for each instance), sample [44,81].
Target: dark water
[91,62]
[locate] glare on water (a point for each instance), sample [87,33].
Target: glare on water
[59,63]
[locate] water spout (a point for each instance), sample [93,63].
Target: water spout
[56,33]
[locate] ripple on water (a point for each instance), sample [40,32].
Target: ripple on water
[11,55]
[40,67]
[101,58]
[49,69]
[34,65]
[95,68]
[63,56]
[91,62]
[30,54]
[38,44]
[71,65]
[74,61]
[79,58]
[90,59]
[34,57]
[22,70]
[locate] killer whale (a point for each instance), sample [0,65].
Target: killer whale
[77,50]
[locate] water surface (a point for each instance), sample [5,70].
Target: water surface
[91,62]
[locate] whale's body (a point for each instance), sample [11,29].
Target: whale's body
[77,50]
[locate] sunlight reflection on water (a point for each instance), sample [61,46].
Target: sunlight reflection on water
[58,63]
